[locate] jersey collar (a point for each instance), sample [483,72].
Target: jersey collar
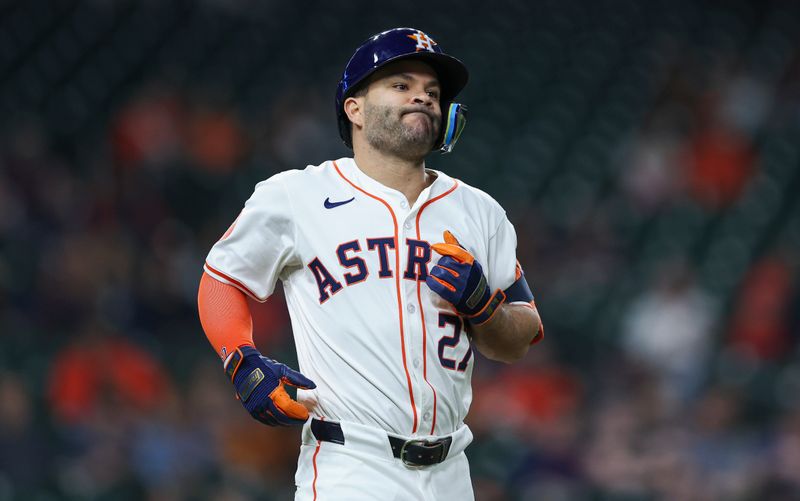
[441,183]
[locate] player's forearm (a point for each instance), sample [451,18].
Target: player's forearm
[507,336]
[224,315]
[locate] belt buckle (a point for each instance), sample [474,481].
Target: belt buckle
[419,442]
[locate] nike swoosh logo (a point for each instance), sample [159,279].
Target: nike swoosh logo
[331,205]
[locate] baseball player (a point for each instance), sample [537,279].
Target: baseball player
[393,274]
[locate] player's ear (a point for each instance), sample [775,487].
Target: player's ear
[354,109]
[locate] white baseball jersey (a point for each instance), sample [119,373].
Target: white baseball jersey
[353,255]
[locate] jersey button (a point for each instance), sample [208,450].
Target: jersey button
[416,362]
[411,308]
[426,416]
[404,204]
[407,225]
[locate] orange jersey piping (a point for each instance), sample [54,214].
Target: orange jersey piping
[314,463]
[397,287]
[234,282]
[422,310]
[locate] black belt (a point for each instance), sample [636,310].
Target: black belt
[415,452]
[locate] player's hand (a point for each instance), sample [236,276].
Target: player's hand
[459,279]
[260,382]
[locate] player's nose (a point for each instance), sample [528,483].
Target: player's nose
[422,97]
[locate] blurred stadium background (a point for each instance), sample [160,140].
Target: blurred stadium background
[648,154]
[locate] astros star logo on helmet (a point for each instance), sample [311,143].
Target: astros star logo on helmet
[424,42]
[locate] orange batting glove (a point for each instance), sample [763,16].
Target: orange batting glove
[459,279]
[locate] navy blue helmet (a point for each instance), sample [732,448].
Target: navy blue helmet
[406,43]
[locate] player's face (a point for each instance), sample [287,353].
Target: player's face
[402,115]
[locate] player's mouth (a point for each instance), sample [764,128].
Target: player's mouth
[421,111]
[429,120]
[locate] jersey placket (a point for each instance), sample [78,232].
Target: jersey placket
[412,329]
[414,320]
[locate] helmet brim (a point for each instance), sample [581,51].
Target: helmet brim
[453,74]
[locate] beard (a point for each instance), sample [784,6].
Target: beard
[386,131]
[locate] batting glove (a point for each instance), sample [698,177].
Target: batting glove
[459,279]
[260,382]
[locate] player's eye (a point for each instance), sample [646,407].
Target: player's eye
[400,86]
[434,94]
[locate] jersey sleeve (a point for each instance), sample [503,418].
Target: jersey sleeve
[258,245]
[502,256]
[505,269]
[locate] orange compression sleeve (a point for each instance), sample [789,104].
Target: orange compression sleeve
[224,315]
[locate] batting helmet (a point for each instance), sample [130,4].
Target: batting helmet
[394,45]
